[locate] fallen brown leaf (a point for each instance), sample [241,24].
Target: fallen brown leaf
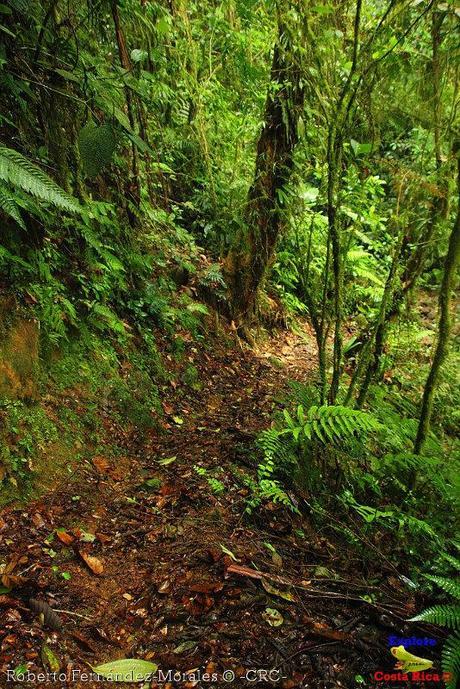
[64,537]
[93,563]
[38,520]
[207,587]
[101,464]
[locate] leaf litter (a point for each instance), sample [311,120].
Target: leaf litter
[202,582]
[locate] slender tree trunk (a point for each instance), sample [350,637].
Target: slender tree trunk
[450,265]
[334,171]
[248,260]
[369,360]
[125,61]
[416,262]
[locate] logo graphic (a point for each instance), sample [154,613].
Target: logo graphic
[411,668]
[407,662]
[411,641]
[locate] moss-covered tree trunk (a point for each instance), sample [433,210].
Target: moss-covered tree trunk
[450,266]
[247,262]
[134,189]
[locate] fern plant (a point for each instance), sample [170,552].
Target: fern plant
[17,172]
[330,423]
[283,448]
[447,615]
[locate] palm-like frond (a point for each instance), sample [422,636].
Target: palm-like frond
[331,423]
[442,615]
[451,660]
[451,586]
[16,170]
[10,207]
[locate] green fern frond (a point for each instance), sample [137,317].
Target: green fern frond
[275,446]
[408,461]
[333,423]
[451,660]
[271,490]
[10,207]
[449,585]
[452,560]
[16,170]
[442,615]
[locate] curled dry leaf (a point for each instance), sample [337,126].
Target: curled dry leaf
[94,564]
[207,587]
[50,618]
[38,520]
[164,587]
[83,641]
[101,464]
[8,579]
[64,537]
[7,600]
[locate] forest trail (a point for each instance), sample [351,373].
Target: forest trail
[139,551]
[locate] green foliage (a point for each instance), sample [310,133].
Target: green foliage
[97,145]
[19,172]
[442,615]
[450,586]
[330,423]
[216,486]
[9,206]
[451,659]
[446,615]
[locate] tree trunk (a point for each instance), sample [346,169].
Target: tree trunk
[439,204]
[125,61]
[450,265]
[247,261]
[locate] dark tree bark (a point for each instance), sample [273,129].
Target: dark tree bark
[247,262]
[417,260]
[125,61]
[440,352]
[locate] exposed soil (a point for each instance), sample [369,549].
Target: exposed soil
[174,575]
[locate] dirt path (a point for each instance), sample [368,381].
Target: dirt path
[162,540]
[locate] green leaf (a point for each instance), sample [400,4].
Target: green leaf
[228,552]
[138,55]
[126,670]
[7,31]
[49,659]
[310,194]
[277,592]
[97,146]
[17,170]
[185,646]
[323,9]
[10,207]
[273,617]
[71,76]
[20,669]
[167,460]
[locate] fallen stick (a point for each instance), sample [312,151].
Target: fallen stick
[314,593]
